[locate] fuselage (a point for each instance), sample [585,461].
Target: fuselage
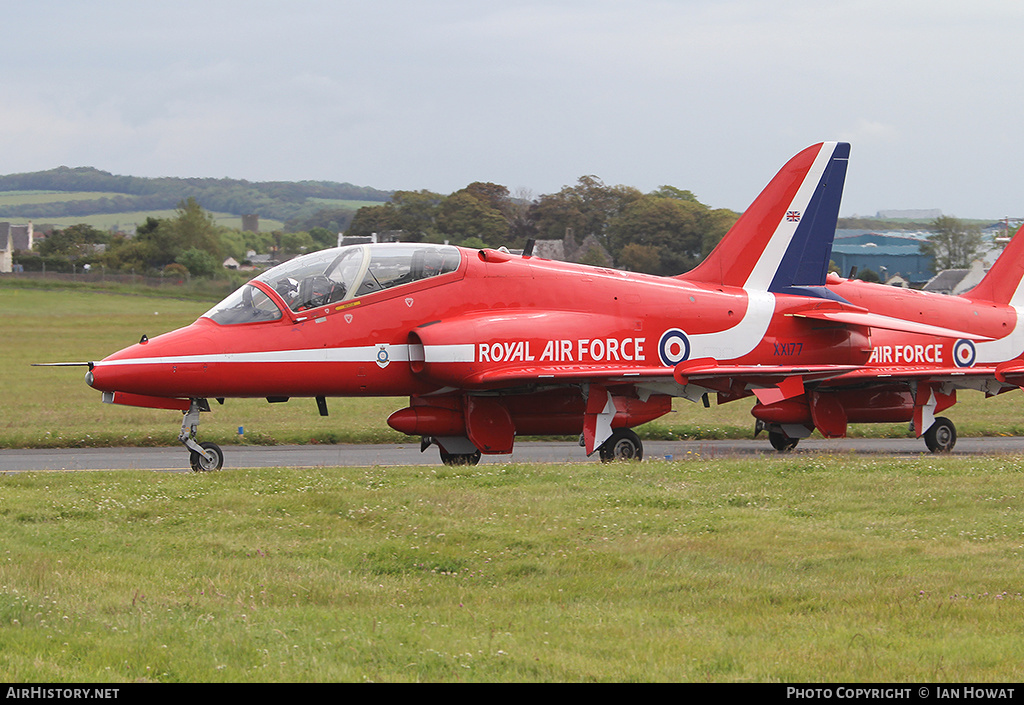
[895,349]
[491,314]
[539,333]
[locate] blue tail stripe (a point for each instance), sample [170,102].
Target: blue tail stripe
[806,260]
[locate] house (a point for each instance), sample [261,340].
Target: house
[956,281]
[6,249]
[22,236]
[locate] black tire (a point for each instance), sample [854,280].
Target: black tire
[623,444]
[460,458]
[941,437]
[201,464]
[781,442]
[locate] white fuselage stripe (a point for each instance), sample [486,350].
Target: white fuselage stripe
[741,339]
[449,353]
[396,353]
[1003,349]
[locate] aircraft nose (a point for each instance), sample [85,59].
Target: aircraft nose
[154,366]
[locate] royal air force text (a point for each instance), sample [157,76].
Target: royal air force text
[580,350]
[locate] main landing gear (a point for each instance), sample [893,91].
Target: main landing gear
[781,442]
[460,451]
[623,444]
[941,437]
[456,459]
[204,457]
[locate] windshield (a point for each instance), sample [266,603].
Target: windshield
[246,305]
[345,273]
[338,274]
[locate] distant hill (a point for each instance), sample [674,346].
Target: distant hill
[279,200]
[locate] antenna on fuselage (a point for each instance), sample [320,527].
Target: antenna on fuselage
[528,250]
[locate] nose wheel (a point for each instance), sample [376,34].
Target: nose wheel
[203,457]
[212,460]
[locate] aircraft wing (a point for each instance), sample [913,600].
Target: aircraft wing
[709,369]
[566,374]
[768,382]
[985,378]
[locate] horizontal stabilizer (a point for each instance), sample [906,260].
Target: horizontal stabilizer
[1011,372]
[876,320]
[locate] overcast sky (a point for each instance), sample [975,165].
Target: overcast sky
[712,96]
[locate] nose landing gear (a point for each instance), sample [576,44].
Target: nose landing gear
[204,457]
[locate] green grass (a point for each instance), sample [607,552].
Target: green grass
[25,198]
[793,569]
[344,203]
[10,200]
[127,221]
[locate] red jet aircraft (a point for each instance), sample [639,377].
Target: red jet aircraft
[912,374]
[489,345]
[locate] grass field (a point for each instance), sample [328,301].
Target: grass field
[793,569]
[9,200]
[25,198]
[128,221]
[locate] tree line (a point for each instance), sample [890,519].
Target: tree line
[667,231]
[189,243]
[279,200]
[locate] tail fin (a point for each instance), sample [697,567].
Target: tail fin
[1002,283]
[784,239]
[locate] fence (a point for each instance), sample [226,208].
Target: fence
[94,277]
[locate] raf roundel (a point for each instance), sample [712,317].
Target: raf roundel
[964,353]
[674,347]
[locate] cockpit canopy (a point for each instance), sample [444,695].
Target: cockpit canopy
[338,274]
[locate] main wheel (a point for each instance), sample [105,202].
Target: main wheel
[781,442]
[201,464]
[941,437]
[623,444]
[460,458]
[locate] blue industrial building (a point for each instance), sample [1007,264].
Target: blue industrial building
[885,254]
